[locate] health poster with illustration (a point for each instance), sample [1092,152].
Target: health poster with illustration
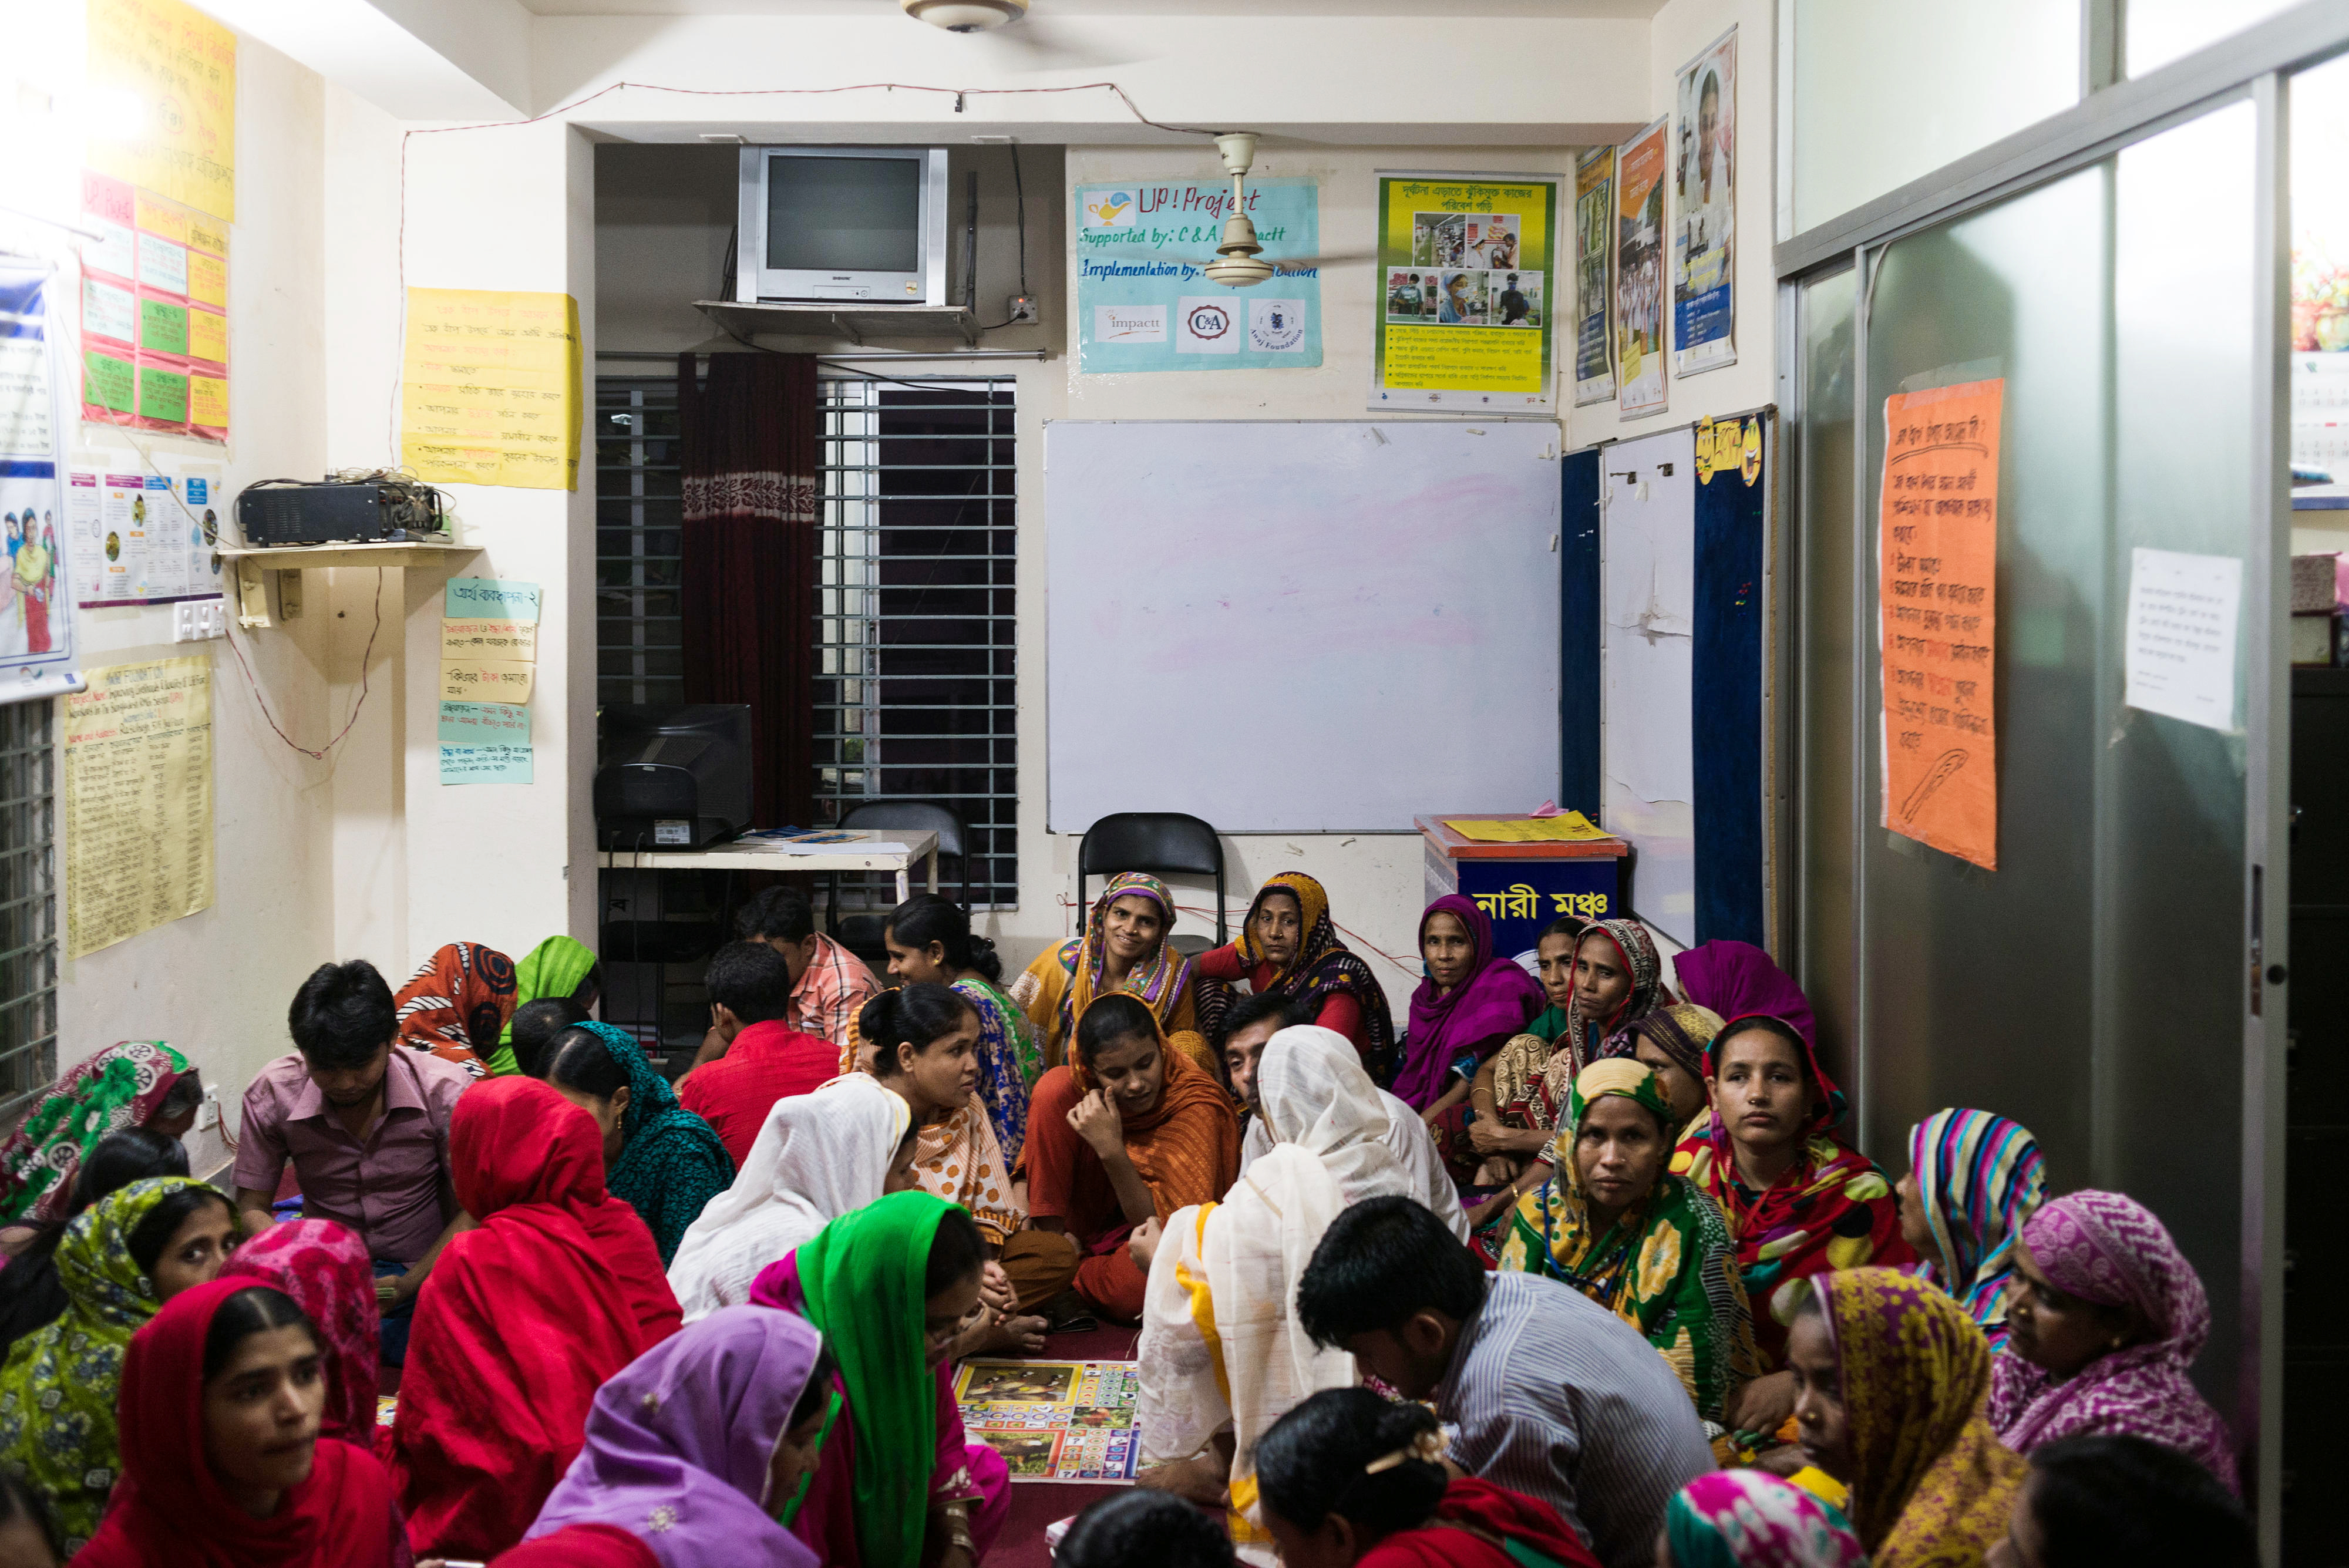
[154,313]
[1054,1420]
[1143,302]
[138,536]
[1594,249]
[1640,273]
[1704,206]
[1937,583]
[1468,273]
[36,630]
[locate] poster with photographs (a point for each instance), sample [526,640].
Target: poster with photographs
[1704,211]
[1639,174]
[1594,245]
[35,619]
[1468,262]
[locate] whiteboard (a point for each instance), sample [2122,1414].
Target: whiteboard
[1298,627]
[1647,594]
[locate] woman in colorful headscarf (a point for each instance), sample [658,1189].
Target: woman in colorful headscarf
[1125,950]
[556,1289]
[557,967]
[1671,1042]
[700,1446]
[136,1082]
[458,1004]
[1893,1374]
[1130,1131]
[2107,1319]
[1736,978]
[325,1271]
[1973,1180]
[1751,1519]
[930,942]
[1468,1007]
[1288,947]
[899,1484]
[120,1261]
[1799,1201]
[1222,1356]
[1613,1223]
[660,1158]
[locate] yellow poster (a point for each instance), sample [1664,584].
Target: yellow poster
[490,389]
[1468,271]
[486,680]
[138,800]
[162,87]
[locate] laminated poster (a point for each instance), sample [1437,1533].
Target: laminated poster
[489,659]
[137,537]
[35,626]
[1704,204]
[1469,271]
[163,77]
[154,313]
[1594,249]
[1143,303]
[138,800]
[1938,585]
[489,388]
[1640,273]
[1054,1420]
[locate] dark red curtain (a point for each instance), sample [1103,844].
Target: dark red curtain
[748,576]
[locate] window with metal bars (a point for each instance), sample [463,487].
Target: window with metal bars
[915,616]
[29,906]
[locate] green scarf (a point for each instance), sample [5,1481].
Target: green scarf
[57,1391]
[556,967]
[862,1278]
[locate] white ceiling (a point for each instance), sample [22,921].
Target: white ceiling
[1045,9]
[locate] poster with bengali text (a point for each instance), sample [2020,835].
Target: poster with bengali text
[154,313]
[1704,211]
[1594,250]
[35,624]
[143,534]
[489,388]
[1469,278]
[138,800]
[1937,582]
[1144,303]
[163,90]
[1640,170]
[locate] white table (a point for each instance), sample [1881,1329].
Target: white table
[772,854]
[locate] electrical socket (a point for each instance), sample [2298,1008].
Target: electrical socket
[183,622]
[208,1111]
[195,620]
[1022,310]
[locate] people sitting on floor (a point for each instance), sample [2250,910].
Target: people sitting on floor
[324,1270]
[1137,1528]
[1552,1395]
[1973,1180]
[1468,1006]
[2092,1501]
[659,1158]
[1752,1519]
[456,1005]
[131,1083]
[31,1294]
[1670,1041]
[1288,947]
[1124,952]
[829,983]
[536,1024]
[559,969]
[761,1059]
[930,942]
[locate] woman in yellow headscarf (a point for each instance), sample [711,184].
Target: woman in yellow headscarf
[1288,947]
[1124,948]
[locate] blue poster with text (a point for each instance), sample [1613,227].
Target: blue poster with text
[1144,298]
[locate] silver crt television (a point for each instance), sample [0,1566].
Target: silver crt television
[861,225]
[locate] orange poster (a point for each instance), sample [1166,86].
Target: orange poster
[1938,582]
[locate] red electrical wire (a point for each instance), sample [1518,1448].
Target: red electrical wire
[263,705]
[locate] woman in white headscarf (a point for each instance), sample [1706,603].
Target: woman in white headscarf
[1232,1268]
[819,1155]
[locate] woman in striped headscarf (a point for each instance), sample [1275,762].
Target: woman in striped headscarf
[1288,947]
[1124,948]
[1973,1180]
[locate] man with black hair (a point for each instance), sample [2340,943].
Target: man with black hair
[1553,1396]
[366,1123]
[761,1058]
[829,983]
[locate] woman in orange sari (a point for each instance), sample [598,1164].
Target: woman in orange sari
[1129,1131]
[1125,950]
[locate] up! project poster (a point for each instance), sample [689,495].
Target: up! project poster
[1640,168]
[1143,304]
[1937,588]
[1704,202]
[1594,245]
[1468,268]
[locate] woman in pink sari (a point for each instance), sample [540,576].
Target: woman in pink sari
[1468,1007]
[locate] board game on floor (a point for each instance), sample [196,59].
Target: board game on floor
[1053,1420]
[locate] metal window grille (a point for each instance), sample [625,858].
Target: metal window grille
[915,616]
[28,905]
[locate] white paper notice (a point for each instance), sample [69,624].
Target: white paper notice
[2182,613]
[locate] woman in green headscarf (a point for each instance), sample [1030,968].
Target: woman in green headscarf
[558,967]
[118,1260]
[889,1284]
[1615,1224]
[665,1161]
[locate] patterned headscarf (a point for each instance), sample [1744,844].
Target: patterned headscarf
[327,1271]
[2110,1249]
[1751,1519]
[1684,1032]
[1931,1484]
[671,1162]
[121,1086]
[1637,950]
[1322,968]
[1159,979]
[456,1006]
[57,1392]
[1978,1177]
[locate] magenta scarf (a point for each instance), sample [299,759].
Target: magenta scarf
[1735,978]
[1493,1002]
[2108,1248]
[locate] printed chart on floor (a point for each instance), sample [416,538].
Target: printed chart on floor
[1053,1420]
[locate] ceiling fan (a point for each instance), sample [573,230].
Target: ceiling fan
[1239,260]
[1033,45]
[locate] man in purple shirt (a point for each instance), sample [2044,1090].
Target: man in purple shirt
[366,1123]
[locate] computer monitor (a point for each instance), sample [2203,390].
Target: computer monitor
[672,777]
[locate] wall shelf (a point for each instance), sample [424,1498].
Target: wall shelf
[854,322]
[257,565]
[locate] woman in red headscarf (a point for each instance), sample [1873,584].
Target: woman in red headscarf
[222,1465]
[523,1320]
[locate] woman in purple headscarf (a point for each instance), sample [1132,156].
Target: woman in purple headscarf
[696,1447]
[1468,1008]
[2105,1318]
[1737,978]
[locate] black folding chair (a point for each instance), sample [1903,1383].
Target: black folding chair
[1160,843]
[861,933]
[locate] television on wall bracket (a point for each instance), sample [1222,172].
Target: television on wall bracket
[849,225]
